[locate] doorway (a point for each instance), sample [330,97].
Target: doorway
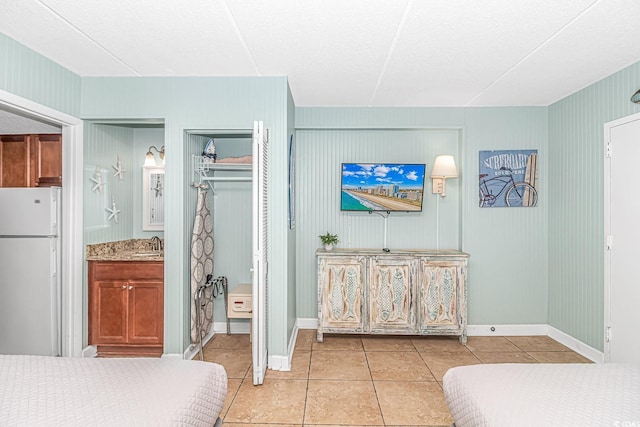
[622,210]
[71,240]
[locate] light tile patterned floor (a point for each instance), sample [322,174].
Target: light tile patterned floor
[363,381]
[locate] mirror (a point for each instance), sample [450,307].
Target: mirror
[153,198]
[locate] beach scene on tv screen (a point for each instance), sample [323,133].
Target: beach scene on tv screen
[382,187]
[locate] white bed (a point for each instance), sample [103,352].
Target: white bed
[57,391]
[544,395]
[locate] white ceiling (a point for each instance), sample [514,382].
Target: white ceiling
[16,123]
[345,52]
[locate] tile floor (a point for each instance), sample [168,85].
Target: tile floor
[363,380]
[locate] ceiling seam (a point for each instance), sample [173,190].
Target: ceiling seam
[104,49]
[239,34]
[391,50]
[536,49]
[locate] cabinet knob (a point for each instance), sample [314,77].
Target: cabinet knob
[130,287]
[124,286]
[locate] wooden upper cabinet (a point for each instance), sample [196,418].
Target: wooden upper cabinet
[30,160]
[48,160]
[14,161]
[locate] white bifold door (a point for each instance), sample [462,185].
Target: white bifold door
[259,248]
[622,234]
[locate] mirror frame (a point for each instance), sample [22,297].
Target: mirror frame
[149,194]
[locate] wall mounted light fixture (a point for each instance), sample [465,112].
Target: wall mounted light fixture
[635,98]
[444,167]
[150,159]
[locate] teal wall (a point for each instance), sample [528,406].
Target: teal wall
[508,265]
[103,145]
[203,103]
[576,202]
[30,75]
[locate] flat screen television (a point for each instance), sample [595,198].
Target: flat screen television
[392,187]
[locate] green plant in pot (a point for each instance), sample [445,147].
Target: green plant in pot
[329,240]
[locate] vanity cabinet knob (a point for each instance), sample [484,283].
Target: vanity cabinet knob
[130,287]
[124,286]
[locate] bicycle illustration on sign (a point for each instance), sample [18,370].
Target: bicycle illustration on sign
[508,178]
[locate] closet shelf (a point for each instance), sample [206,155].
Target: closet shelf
[205,170]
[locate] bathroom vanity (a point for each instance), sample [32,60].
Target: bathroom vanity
[126,302]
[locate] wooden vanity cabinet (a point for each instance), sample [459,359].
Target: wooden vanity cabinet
[126,307]
[31,160]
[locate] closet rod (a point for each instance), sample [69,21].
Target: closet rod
[226,178]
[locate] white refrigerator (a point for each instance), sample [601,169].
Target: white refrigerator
[30,271]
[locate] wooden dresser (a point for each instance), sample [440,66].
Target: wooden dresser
[402,292]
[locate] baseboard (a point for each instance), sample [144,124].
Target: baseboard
[234,327]
[90,351]
[283,363]
[506,330]
[307,323]
[576,345]
[193,350]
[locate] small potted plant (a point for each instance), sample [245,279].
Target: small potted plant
[329,240]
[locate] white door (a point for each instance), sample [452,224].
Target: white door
[260,266]
[622,233]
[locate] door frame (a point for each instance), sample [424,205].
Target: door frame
[72,231]
[607,228]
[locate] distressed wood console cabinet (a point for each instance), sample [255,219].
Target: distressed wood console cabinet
[402,292]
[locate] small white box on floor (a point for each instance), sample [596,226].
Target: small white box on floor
[240,302]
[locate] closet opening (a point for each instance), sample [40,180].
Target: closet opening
[227,236]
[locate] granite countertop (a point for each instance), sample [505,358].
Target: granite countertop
[125,250]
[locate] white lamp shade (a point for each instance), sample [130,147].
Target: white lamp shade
[444,167]
[150,159]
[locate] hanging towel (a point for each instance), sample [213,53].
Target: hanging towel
[201,265]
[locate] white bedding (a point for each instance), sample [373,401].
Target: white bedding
[544,395]
[49,391]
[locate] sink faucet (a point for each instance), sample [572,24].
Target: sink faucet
[156,244]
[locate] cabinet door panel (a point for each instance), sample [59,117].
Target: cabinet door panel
[48,168]
[14,161]
[439,287]
[391,295]
[146,312]
[110,313]
[341,290]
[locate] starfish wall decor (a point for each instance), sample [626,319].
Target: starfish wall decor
[97,180]
[113,212]
[119,172]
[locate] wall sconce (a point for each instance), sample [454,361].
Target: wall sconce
[150,159]
[635,98]
[444,167]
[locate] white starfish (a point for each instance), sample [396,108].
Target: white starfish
[158,187]
[113,211]
[118,168]
[97,180]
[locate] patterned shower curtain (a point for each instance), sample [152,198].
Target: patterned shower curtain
[201,266]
